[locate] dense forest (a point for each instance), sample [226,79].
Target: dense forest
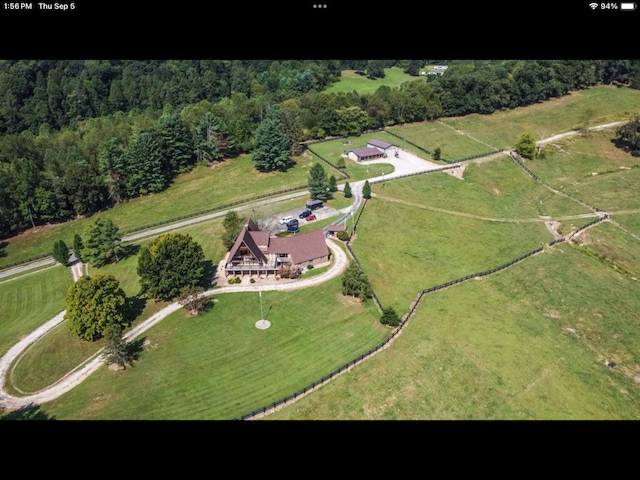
[77,136]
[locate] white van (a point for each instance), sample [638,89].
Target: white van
[285,220]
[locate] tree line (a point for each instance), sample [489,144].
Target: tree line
[78,136]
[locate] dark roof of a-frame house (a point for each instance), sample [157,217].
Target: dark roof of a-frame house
[245,237]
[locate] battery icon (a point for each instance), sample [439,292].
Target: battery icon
[627,6]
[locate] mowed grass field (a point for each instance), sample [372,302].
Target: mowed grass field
[412,235]
[219,366]
[350,81]
[27,302]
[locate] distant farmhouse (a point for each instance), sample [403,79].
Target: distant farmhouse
[375,149]
[435,70]
[257,252]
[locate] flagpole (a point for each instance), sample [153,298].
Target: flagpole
[260,293]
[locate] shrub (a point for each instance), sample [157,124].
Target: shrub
[343,235]
[390,317]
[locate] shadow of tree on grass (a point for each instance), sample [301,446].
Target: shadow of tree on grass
[28,412]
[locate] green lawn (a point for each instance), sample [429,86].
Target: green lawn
[219,366]
[453,144]
[351,81]
[26,302]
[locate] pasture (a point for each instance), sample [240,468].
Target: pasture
[350,81]
[530,342]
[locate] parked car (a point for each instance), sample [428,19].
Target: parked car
[305,214]
[292,226]
[285,220]
[308,218]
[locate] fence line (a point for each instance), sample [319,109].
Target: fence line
[422,149]
[331,164]
[520,163]
[405,318]
[175,219]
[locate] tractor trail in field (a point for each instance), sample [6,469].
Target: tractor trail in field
[480,217]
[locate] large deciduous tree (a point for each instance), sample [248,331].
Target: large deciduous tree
[93,304]
[628,137]
[526,145]
[170,263]
[272,145]
[102,242]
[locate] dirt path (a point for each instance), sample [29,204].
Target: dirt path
[77,270]
[480,217]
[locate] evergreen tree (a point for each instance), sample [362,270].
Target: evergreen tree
[112,166]
[60,252]
[144,165]
[102,242]
[211,139]
[355,282]
[176,144]
[232,224]
[318,182]
[272,145]
[347,190]
[366,190]
[93,304]
[170,263]
[333,184]
[78,246]
[390,317]
[116,349]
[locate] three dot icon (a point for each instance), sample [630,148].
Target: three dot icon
[324,5]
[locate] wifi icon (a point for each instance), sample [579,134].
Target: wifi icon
[593,5]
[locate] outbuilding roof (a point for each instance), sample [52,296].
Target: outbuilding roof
[365,152]
[379,143]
